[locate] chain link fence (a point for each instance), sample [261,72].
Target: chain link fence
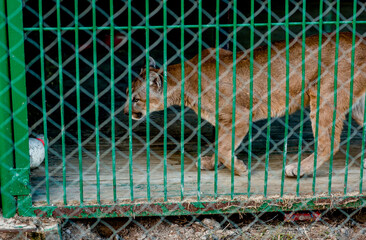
[84,61]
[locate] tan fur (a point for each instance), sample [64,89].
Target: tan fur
[260,100]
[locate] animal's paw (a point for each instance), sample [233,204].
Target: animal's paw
[240,168]
[291,170]
[207,163]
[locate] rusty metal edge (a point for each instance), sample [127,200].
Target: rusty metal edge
[198,207]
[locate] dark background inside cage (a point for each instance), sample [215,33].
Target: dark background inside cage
[86,71]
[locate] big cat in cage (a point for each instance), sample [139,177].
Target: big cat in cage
[243,88]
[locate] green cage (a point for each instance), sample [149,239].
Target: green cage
[65,68]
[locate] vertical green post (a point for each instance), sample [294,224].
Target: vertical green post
[318,94]
[96,101]
[199,100]
[234,98]
[268,136]
[43,89]
[165,83]
[217,89]
[287,96]
[303,24]
[113,121]
[147,31]
[182,108]
[130,162]
[335,106]
[6,137]
[19,93]
[62,101]
[251,72]
[77,78]
[351,90]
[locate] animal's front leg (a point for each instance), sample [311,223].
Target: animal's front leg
[224,150]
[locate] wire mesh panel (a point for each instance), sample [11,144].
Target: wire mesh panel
[159,108]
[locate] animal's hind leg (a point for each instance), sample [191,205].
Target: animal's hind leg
[358,112]
[325,125]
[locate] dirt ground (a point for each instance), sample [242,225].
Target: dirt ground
[339,224]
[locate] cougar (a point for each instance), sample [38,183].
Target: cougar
[260,100]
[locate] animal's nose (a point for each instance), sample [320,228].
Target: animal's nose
[138,115]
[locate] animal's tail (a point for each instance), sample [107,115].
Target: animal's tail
[358,110]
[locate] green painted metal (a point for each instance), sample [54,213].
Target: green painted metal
[268,134]
[20,174]
[217,97]
[147,24]
[287,39]
[62,101]
[165,84]
[251,73]
[6,135]
[77,77]
[294,23]
[224,206]
[96,101]
[335,105]
[182,108]
[318,93]
[43,89]
[302,96]
[18,96]
[234,99]
[199,99]
[130,152]
[113,120]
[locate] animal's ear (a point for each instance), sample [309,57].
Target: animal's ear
[152,64]
[156,81]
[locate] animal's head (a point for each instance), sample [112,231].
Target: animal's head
[138,93]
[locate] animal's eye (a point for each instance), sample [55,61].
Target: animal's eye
[135,100]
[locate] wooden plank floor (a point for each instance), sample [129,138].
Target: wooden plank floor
[56,190]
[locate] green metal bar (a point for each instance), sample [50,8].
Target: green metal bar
[8,202]
[147,15]
[351,89]
[202,207]
[217,98]
[268,136]
[318,94]
[113,111]
[335,107]
[351,96]
[130,152]
[18,87]
[251,72]
[195,26]
[234,99]
[19,94]
[165,59]
[77,77]
[287,96]
[182,103]
[363,150]
[303,49]
[62,100]
[43,90]
[96,99]
[199,99]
